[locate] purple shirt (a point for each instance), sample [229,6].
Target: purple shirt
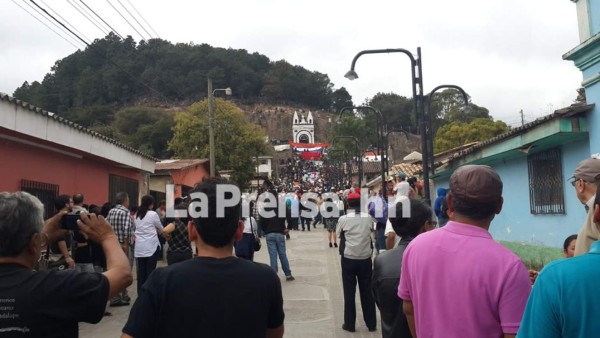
[462,283]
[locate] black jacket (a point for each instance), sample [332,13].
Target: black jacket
[384,285]
[274,224]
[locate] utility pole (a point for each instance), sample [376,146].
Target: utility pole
[522,117]
[211,129]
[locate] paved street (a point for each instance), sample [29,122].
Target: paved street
[313,303]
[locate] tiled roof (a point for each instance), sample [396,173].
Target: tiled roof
[560,113]
[369,167]
[56,117]
[409,168]
[179,164]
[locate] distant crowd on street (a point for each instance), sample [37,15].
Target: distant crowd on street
[431,271]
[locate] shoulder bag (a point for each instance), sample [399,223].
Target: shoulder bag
[256,245]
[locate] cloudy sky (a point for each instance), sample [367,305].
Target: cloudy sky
[507,54]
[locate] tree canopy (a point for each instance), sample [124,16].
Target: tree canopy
[115,71]
[456,134]
[237,141]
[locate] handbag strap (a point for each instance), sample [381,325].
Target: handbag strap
[251,228]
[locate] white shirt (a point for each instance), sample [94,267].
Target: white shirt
[357,230]
[247,228]
[146,234]
[402,189]
[390,230]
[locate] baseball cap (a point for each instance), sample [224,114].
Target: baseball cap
[476,184]
[401,175]
[587,170]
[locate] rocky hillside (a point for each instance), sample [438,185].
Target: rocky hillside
[277,122]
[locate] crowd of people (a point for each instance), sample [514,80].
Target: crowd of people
[436,273]
[322,175]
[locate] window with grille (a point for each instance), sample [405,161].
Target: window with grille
[118,184]
[45,192]
[546,192]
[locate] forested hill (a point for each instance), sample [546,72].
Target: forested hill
[133,92]
[114,72]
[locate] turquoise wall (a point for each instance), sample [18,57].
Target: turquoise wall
[515,222]
[594,10]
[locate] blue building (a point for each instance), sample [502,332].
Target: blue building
[535,160]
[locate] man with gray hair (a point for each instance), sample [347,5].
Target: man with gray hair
[51,303]
[583,180]
[120,219]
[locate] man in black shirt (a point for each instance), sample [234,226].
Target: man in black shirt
[51,303]
[388,267]
[214,294]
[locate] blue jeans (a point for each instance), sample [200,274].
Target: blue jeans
[276,246]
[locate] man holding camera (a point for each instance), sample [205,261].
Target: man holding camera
[51,303]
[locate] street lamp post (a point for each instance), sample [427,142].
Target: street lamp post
[211,124]
[344,156]
[422,117]
[358,152]
[381,147]
[430,119]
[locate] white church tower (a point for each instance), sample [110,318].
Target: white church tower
[303,128]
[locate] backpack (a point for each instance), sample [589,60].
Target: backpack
[444,208]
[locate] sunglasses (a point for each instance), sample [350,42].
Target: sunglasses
[575,181]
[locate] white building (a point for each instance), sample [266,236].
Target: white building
[303,128]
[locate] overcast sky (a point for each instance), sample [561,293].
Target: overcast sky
[507,54]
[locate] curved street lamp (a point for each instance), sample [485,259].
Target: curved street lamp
[421,114]
[417,89]
[345,157]
[431,158]
[381,149]
[358,153]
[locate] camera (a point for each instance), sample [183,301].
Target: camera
[69,222]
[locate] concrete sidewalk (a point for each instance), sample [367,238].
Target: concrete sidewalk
[313,303]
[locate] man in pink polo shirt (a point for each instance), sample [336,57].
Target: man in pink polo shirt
[457,281]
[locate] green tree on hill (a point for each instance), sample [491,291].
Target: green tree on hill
[115,71]
[340,99]
[237,141]
[457,133]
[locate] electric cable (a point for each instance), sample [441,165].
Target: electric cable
[68,23]
[89,16]
[119,1]
[147,23]
[43,23]
[90,20]
[97,52]
[111,5]
[99,17]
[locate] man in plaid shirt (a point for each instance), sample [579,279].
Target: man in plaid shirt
[120,219]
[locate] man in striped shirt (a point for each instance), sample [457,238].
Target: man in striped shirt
[120,219]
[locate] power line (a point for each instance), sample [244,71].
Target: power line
[111,5]
[150,35]
[132,6]
[60,29]
[99,17]
[43,23]
[53,23]
[88,18]
[97,52]
[68,23]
